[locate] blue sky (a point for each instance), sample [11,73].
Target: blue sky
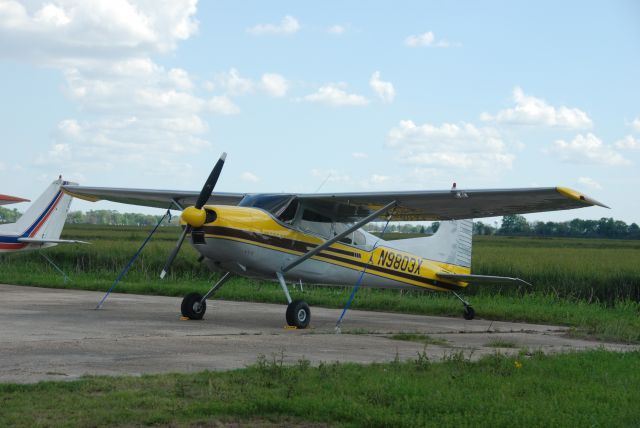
[342,96]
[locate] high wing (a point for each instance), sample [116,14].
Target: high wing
[411,205]
[454,204]
[174,199]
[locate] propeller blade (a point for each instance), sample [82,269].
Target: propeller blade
[210,184]
[174,253]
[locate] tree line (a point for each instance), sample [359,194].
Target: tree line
[103,217]
[512,225]
[517,225]
[606,227]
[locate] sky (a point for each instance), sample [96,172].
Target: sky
[327,96]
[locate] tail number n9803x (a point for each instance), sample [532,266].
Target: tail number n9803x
[399,262]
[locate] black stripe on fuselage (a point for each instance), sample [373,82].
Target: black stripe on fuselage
[304,247]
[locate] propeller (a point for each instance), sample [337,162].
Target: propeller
[195,216]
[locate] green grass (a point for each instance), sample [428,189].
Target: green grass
[591,285]
[595,388]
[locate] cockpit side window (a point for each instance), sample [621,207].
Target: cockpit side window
[282,207]
[316,223]
[310,215]
[288,213]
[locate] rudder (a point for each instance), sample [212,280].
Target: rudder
[451,243]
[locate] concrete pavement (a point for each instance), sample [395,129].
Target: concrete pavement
[49,334]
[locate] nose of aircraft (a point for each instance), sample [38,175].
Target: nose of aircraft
[196,216]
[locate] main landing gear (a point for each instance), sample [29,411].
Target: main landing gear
[298,314]
[469,313]
[194,305]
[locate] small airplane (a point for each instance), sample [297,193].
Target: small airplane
[41,225]
[318,238]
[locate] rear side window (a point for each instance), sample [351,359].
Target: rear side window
[310,215]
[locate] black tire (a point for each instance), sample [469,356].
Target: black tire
[469,313]
[191,306]
[298,314]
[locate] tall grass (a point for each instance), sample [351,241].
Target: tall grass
[584,269]
[592,270]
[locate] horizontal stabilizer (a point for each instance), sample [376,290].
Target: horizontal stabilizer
[6,199]
[482,279]
[51,241]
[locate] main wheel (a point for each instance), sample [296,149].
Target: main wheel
[469,313]
[298,314]
[192,308]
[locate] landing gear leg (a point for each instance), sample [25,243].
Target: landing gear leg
[194,305]
[298,314]
[469,313]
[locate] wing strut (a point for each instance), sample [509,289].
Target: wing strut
[339,236]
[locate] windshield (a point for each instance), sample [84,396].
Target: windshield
[275,204]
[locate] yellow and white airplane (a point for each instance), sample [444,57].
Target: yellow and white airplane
[318,238]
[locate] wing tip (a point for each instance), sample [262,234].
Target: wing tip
[575,195]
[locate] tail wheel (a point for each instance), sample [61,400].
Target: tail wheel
[298,314]
[191,306]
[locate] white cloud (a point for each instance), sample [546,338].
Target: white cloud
[288,25]
[73,30]
[336,30]
[334,95]
[463,146]
[628,142]
[132,142]
[180,79]
[534,111]
[143,113]
[379,179]
[590,183]
[249,177]
[51,15]
[384,90]
[209,85]
[359,155]
[636,124]
[428,39]
[588,149]
[223,105]
[275,84]
[234,84]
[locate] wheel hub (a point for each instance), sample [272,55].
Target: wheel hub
[302,315]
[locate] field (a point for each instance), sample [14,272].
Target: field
[592,285]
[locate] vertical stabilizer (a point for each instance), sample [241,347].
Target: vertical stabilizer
[45,218]
[450,244]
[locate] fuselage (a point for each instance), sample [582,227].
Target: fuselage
[253,242]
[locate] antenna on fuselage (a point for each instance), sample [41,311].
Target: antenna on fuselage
[322,184]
